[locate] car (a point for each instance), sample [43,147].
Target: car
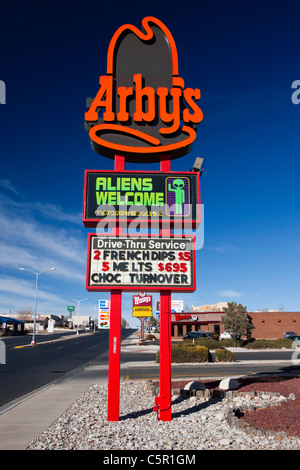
[225,335]
[151,329]
[295,341]
[211,335]
[191,335]
[294,338]
[198,334]
[287,334]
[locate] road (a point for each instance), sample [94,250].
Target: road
[273,362]
[215,370]
[28,368]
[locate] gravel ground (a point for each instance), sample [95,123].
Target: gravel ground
[285,418]
[196,423]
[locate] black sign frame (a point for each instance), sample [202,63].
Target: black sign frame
[147,198]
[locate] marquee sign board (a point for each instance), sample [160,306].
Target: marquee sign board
[146,197]
[142,305]
[142,109]
[151,263]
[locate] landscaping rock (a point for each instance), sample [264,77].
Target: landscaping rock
[194,386]
[229,384]
[195,425]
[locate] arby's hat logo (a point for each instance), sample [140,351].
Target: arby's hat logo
[142,109]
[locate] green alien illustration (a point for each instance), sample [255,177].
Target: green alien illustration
[178,185]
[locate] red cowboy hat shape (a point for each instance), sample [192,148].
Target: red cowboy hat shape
[142,110]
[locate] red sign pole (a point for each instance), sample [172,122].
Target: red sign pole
[164,412]
[113,399]
[114,356]
[163,402]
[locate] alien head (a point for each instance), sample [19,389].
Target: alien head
[178,183]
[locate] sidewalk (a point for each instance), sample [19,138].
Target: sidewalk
[27,417]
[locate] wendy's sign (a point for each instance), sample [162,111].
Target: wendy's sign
[142,109]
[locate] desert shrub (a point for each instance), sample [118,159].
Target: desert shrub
[214,343]
[227,343]
[208,343]
[224,355]
[269,343]
[187,353]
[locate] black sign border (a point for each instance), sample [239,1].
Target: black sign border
[188,223]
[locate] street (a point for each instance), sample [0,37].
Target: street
[214,370]
[28,368]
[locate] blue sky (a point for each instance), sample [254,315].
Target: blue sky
[244,57]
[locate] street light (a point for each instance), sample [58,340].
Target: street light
[78,303]
[35,296]
[95,308]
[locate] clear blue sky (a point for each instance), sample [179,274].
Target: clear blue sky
[243,55]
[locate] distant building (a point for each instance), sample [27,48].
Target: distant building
[218,307]
[41,320]
[266,310]
[267,324]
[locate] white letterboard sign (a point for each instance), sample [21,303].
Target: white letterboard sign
[131,263]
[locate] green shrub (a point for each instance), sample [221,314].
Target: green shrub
[208,343]
[214,343]
[227,343]
[187,353]
[269,344]
[224,355]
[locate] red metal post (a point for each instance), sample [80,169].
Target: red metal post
[114,356]
[164,400]
[113,399]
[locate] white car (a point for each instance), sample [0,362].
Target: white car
[225,335]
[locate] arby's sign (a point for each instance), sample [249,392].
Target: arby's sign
[142,109]
[142,112]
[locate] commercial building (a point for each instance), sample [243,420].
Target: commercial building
[267,325]
[26,322]
[10,325]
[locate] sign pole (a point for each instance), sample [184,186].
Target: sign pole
[142,320]
[113,399]
[164,409]
[114,357]
[164,412]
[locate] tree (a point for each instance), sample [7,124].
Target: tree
[153,321]
[124,323]
[27,311]
[236,321]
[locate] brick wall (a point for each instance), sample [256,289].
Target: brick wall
[272,325]
[268,325]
